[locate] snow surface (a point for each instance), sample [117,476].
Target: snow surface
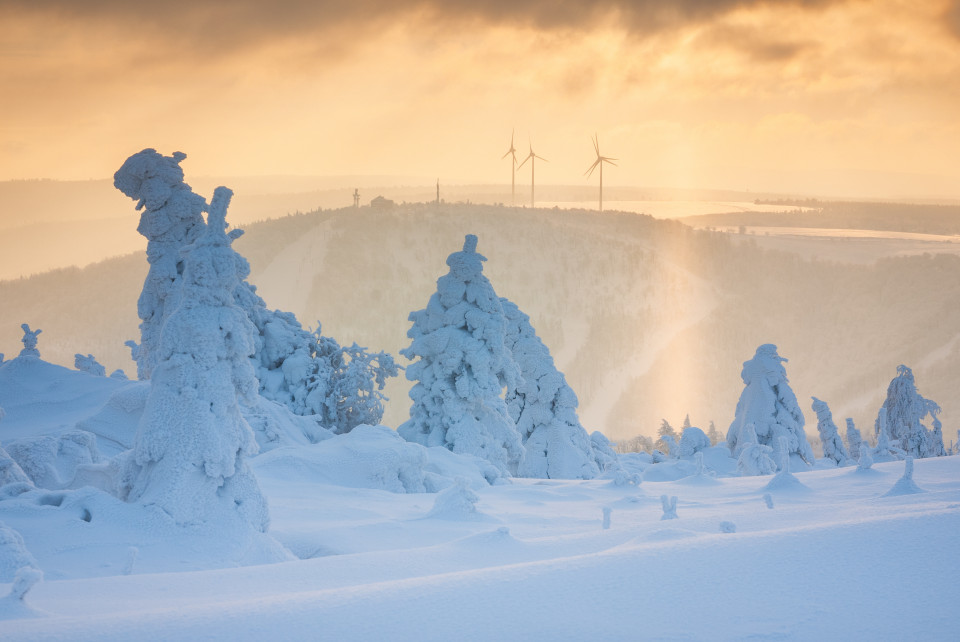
[529,559]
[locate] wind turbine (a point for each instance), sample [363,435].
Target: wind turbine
[513,170]
[532,157]
[599,162]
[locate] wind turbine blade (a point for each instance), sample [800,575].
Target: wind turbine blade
[611,162]
[589,172]
[524,162]
[596,144]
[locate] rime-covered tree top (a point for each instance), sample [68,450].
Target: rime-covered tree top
[29,341]
[833,447]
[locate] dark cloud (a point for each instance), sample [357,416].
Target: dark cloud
[233,24]
[952,17]
[757,44]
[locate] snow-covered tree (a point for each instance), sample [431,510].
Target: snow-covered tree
[854,439]
[833,447]
[754,458]
[29,341]
[692,441]
[887,449]
[665,430]
[906,410]
[671,446]
[310,374]
[462,367]
[714,434]
[189,455]
[770,405]
[172,218]
[936,449]
[544,408]
[89,364]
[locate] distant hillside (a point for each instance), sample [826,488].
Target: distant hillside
[649,319]
[889,217]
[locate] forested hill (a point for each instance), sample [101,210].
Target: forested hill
[886,217]
[649,319]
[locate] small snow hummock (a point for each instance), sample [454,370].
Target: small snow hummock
[768,500]
[784,479]
[905,485]
[29,341]
[192,441]
[13,554]
[462,366]
[770,405]
[455,502]
[544,407]
[669,507]
[833,447]
[728,527]
[905,410]
[606,518]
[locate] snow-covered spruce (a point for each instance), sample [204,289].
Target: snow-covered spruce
[29,341]
[462,366]
[189,454]
[171,219]
[544,408]
[906,409]
[770,405]
[692,441]
[854,439]
[833,447]
[308,373]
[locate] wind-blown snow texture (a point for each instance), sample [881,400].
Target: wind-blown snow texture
[462,367]
[770,406]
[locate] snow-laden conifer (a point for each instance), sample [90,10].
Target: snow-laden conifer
[462,367]
[714,434]
[544,408]
[693,440]
[833,447]
[887,449]
[854,439]
[906,409]
[189,455]
[172,218]
[770,405]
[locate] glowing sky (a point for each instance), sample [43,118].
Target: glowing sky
[725,93]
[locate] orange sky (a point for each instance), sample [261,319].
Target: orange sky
[853,97]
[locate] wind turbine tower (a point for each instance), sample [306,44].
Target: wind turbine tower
[599,163]
[512,152]
[532,157]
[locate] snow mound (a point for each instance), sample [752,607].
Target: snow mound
[13,554]
[375,457]
[457,502]
[905,485]
[52,462]
[785,481]
[101,530]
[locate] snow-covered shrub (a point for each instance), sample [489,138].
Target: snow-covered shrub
[906,409]
[887,449]
[544,408]
[462,366]
[769,404]
[29,341]
[865,461]
[754,458]
[52,462]
[89,364]
[13,554]
[673,448]
[189,454]
[936,448]
[692,440]
[10,471]
[603,452]
[833,447]
[854,439]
